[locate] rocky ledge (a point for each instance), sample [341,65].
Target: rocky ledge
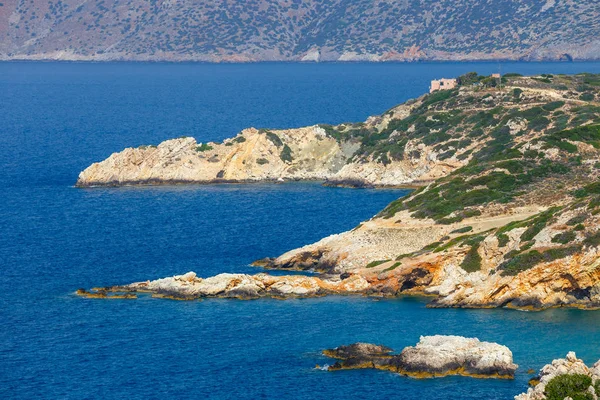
[190,287]
[565,378]
[433,356]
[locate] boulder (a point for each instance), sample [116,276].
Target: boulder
[456,355]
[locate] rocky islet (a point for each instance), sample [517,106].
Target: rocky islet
[433,356]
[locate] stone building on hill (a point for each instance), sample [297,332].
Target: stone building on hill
[442,84]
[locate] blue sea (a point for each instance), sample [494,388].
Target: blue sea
[57,118]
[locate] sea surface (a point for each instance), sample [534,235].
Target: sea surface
[57,118]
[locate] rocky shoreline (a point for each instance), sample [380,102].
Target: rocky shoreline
[240,286]
[505,213]
[564,378]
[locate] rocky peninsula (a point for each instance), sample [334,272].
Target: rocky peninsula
[434,356]
[506,213]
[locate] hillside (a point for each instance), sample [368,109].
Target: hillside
[511,220]
[293,30]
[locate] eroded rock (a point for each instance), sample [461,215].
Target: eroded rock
[433,356]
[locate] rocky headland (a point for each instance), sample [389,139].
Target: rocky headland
[506,213]
[433,356]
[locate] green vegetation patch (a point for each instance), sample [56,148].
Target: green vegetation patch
[472,261]
[574,386]
[373,264]
[518,262]
[537,223]
[464,229]
[262,161]
[274,139]
[587,134]
[393,267]
[592,240]
[286,154]
[503,239]
[203,147]
[553,105]
[564,237]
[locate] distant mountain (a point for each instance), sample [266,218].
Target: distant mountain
[300,30]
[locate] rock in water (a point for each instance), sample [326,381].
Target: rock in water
[455,355]
[433,356]
[359,355]
[358,350]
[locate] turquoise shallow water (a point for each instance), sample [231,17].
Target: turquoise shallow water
[58,118]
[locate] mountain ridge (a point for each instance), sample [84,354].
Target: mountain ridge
[293,30]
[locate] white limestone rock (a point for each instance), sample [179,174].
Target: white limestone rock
[449,355]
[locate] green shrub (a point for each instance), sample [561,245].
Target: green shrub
[537,224]
[373,264]
[393,267]
[517,93]
[331,132]
[464,229]
[587,96]
[286,154]
[274,139]
[239,139]
[564,237]
[262,161]
[518,262]
[472,261]
[502,239]
[592,240]
[553,105]
[569,385]
[469,78]
[203,147]
[576,219]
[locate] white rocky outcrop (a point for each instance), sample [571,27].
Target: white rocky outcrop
[190,286]
[456,355]
[562,366]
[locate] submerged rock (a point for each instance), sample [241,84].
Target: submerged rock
[433,356]
[103,294]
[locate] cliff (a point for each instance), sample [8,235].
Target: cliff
[509,215]
[309,30]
